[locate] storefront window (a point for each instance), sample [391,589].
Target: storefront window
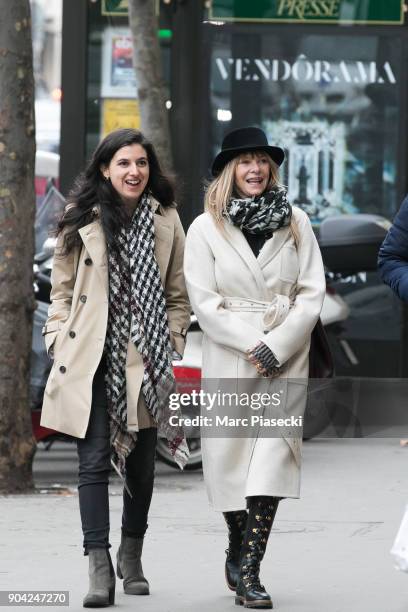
[46,20]
[328,98]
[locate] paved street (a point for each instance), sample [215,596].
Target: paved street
[328,552]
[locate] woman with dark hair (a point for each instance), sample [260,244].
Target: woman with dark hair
[118,316]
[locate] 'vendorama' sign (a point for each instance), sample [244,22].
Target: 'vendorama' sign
[270,69]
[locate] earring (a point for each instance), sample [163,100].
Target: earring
[107,178]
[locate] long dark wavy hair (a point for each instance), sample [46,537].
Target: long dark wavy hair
[92,189]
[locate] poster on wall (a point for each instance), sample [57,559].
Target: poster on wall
[119,113]
[118,77]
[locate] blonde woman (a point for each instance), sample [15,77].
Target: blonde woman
[256,282]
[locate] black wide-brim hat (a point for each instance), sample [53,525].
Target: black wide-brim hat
[242,140]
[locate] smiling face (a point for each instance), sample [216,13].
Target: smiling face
[128,172]
[252,174]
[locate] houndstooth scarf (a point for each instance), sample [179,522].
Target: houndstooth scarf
[260,214]
[137,312]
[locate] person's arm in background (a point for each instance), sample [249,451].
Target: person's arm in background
[393,254]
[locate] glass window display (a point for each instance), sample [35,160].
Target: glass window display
[330,99]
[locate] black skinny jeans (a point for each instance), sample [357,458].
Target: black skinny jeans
[94,469]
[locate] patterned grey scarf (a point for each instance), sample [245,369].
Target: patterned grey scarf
[261,214]
[137,312]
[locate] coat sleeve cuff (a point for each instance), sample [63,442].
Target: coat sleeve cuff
[178,339]
[264,360]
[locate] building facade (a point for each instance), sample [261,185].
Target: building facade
[325,80]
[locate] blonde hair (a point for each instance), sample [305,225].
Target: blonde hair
[219,191]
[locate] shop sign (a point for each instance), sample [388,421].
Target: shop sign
[369,12]
[115,7]
[303,69]
[120,8]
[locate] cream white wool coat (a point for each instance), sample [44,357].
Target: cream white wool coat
[219,266]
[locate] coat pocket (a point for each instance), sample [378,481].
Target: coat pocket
[289,264]
[51,332]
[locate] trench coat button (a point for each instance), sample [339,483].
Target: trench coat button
[72,334]
[63,369]
[83,298]
[88,261]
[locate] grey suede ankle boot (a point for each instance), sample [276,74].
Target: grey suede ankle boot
[101,580]
[129,566]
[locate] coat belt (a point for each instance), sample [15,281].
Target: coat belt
[275,311]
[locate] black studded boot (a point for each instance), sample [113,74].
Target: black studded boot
[236,523]
[250,593]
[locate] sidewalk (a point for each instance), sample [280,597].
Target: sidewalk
[328,552]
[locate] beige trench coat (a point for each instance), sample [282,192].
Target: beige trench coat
[77,321]
[228,287]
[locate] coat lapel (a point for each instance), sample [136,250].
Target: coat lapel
[162,228]
[94,240]
[272,246]
[270,250]
[238,241]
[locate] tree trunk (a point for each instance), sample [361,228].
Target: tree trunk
[149,76]
[17,209]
